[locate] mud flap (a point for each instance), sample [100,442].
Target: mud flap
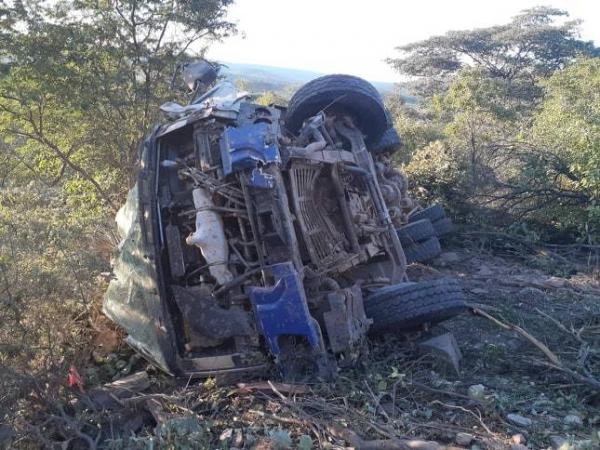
[282,310]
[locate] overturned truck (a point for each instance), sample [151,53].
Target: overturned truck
[259,236]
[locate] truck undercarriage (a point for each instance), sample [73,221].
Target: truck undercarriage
[257,235]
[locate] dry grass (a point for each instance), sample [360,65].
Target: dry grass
[396,392]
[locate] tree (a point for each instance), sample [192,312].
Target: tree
[567,127]
[82,82]
[515,111]
[532,45]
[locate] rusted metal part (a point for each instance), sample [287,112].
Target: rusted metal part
[367,169]
[346,323]
[207,318]
[324,242]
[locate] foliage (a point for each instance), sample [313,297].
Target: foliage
[80,84]
[271,98]
[83,80]
[512,132]
[532,45]
[568,123]
[48,282]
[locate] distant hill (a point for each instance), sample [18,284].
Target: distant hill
[280,79]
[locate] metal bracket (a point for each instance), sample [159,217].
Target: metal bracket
[282,309]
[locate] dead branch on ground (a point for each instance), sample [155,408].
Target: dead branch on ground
[555,363]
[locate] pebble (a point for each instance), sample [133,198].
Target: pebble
[518,447]
[477,392]
[464,439]
[238,438]
[518,439]
[557,442]
[518,420]
[120,364]
[573,420]
[226,434]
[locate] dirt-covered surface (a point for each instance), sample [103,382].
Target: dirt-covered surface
[507,394]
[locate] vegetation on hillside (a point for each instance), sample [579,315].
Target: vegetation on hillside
[506,129]
[81,82]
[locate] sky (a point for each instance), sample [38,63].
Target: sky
[355,37]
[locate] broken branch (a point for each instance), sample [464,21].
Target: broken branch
[511,327]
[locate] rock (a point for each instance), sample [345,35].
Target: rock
[558,442]
[464,439]
[477,392]
[573,420]
[226,435]
[519,421]
[518,447]
[447,258]
[120,364]
[238,438]
[518,439]
[444,347]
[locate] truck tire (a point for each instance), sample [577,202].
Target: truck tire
[433,213]
[443,226]
[407,306]
[352,94]
[390,142]
[423,251]
[415,232]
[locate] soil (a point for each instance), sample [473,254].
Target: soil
[506,395]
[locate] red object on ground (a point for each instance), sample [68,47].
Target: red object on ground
[74,379]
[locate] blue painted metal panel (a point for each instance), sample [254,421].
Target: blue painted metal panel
[260,179]
[282,309]
[246,147]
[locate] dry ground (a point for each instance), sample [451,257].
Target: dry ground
[400,393]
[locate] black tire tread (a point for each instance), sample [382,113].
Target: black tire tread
[390,142]
[415,232]
[450,284]
[423,251]
[433,213]
[443,226]
[415,304]
[318,93]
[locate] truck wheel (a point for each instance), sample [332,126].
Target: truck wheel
[415,232]
[433,213]
[443,226]
[341,92]
[407,306]
[389,142]
[423,251]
